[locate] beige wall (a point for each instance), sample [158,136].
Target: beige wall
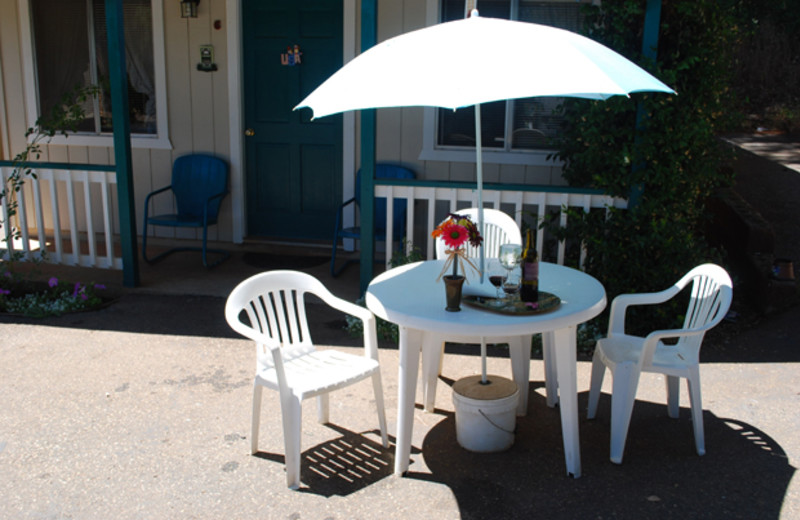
[198,109]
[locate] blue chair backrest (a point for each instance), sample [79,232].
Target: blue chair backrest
[195,178]
[387,171]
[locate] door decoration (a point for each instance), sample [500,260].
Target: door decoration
[292,56]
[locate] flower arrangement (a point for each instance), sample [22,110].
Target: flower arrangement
[57,298]
[456,231]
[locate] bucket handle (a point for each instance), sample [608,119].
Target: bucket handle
[494,424]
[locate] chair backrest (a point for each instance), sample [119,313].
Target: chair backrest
[196,178]
[498,229]
[269,308]
[387,171]
[711,296]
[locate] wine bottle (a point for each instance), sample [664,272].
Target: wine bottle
[529,289]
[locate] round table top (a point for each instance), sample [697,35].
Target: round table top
[410,296]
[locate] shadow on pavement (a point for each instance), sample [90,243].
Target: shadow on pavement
[744,473]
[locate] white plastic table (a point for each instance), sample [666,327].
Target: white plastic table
[411,297]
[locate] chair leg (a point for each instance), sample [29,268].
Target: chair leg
[626,379]
[291,409]
[693,381]
[441,359]
[333,256]
[323,408]
[377,387]
[598,373]
[256,420]
[673,396]
[550,373]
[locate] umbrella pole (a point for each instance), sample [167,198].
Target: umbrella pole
[479,168]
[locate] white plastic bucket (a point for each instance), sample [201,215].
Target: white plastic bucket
[486,415]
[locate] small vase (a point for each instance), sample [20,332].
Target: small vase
[452,285]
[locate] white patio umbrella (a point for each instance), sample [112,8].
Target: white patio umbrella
[478,60]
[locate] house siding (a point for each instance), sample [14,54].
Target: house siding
[198,111]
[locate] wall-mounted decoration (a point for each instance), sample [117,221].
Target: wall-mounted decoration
[292,56]
[189,8]
[207,59]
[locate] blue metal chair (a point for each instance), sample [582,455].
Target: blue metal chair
[382,171]
[199,183]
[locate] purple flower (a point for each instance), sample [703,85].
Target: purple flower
[84,296]
[4,292]
[76,290]
[52,282]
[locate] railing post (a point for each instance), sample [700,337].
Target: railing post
[122,142]
[369,36]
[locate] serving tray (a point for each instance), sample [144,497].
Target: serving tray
[547,302]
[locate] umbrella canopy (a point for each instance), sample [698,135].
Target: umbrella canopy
[478,60]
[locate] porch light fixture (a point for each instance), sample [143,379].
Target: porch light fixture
[189,8]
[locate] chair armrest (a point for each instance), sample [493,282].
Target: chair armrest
[219,195]
[147,199]
[364,314]
[620,304]
[339,211]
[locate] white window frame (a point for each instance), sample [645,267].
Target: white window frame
[158,141]
[431,151]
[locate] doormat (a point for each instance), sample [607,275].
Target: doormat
[272,261]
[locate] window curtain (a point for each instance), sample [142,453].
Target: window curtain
[61,44]
[139,61]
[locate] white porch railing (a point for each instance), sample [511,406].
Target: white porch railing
[65,212]
[530,203]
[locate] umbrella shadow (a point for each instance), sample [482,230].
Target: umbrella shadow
[744,474]
[341,466]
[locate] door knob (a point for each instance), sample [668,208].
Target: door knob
[249,132]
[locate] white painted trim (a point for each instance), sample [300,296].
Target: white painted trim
[233,13]
[160,141]
[527,158]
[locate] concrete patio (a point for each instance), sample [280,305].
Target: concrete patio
[142,410]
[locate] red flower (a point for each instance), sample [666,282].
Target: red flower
[457,230]
[454,235]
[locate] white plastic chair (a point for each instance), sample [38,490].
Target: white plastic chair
[499,229]
[627,356]
[269,308]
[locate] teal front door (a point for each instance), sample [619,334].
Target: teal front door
[293,179]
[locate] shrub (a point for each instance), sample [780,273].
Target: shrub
[660,150]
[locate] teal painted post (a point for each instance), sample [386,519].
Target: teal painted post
[118,76]
[369,36]
[652,21]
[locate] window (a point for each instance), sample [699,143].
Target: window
[69,49]
[521,125]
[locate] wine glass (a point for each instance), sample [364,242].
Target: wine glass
[511,285]
[497,275]
[510,256]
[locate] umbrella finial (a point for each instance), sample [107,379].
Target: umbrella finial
[473,13]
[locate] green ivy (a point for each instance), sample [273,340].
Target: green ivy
[63,118]
[660,148]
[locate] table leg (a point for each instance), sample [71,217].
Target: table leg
[519,350]
[431,360]
[408,368]
[550,374]
[566,367]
